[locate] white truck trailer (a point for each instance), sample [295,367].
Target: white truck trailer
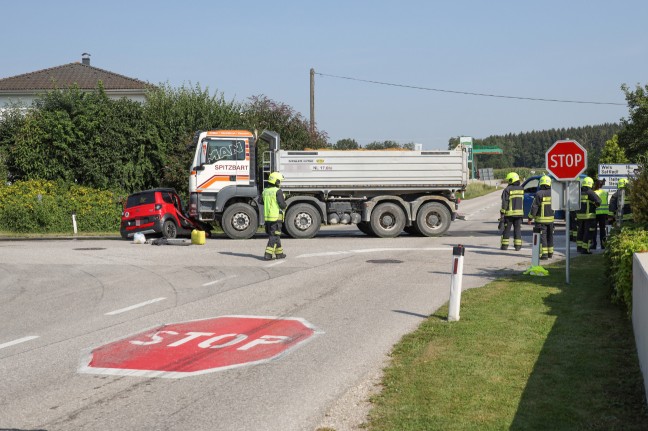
[382,192]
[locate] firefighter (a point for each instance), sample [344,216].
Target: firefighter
[512,211]
[273,206]
[626,211]
[602,213]
[586,216]
[543,216]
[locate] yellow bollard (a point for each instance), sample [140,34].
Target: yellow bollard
[198,237]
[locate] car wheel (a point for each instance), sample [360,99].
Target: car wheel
[169,229]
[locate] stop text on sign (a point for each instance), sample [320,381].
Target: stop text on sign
[565,160]
[208,340]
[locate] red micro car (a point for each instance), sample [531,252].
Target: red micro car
[156,211]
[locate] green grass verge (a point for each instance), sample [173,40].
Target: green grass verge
[529,353]
[476,189]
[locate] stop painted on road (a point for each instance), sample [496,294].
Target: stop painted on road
[195,347]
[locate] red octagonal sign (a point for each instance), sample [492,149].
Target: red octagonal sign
[200,346]
[566,160]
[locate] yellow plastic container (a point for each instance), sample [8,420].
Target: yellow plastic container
[198,237]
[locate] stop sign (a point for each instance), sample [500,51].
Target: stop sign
[566,160]
[200,346]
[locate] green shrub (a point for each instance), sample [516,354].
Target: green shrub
[39,206]
[620,246]
[522,172]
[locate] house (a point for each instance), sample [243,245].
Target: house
[23,89]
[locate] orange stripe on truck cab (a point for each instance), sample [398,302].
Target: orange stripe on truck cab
[244,133]
[212,180]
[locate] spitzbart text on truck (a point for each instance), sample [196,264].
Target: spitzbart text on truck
[382,192]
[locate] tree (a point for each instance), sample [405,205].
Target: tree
[176,114]
[612,152]
[346,144]
[637,191]
[262,113]
[385,145]
[12,120]
[634,136]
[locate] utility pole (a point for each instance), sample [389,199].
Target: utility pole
[312,101]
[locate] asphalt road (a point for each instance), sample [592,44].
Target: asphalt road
[60,300]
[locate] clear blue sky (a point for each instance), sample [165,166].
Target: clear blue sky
[573,50]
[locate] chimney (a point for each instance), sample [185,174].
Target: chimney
[85,59]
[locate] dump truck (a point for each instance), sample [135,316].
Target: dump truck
[382,192]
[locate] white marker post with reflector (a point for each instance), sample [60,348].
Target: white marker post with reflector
[455,283]
[535,250]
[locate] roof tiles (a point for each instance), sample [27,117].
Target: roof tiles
[84,76]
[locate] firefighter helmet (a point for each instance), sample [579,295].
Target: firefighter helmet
[274,177]
[545,181]
[623,182]
[587,182]
[512,177]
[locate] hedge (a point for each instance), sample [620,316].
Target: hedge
[39,206]
[621,245]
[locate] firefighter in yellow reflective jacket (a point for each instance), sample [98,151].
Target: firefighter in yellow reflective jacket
[273,206]
[626,210]
[512,211]
[586,216]
[602,214]
[543,216]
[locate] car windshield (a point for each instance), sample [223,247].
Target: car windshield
[531,186]
[140,199]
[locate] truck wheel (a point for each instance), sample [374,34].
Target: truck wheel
[365,228]
[240,221]
[387,220]
[302,221]
[433,219]
[169,229]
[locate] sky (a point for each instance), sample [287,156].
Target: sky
[568,50]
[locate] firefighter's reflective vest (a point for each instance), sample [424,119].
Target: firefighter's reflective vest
[541,211]
[270,204]
[512,201]
[604,209]
[588,203]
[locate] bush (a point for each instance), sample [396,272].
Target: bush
[39,206]
[620,246]
[522,172]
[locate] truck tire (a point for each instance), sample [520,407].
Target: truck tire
[387,220]
[365,228]
[433,219]
[169,229]
[240,221]
[302,221]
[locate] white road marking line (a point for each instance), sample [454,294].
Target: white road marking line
[18,341]
[209,283]
[279,262]
[372,250]
[132,307]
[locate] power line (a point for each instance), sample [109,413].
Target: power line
[468,92]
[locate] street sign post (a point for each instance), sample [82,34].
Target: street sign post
[197,347]
[566,160]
